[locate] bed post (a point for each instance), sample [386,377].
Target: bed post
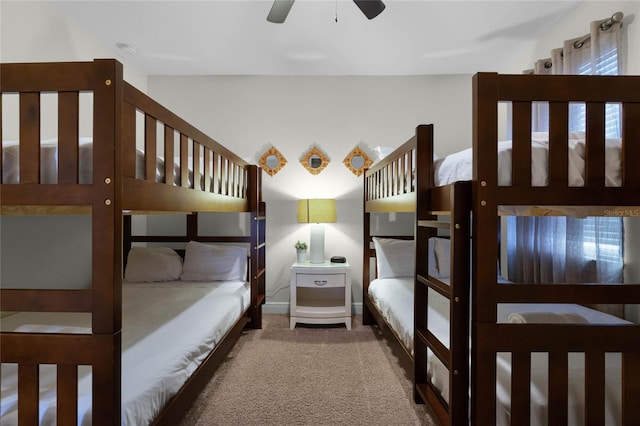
[485,228]
[367,318]
[257,209]
[107,241]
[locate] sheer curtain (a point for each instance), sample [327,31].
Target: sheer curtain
[570,249]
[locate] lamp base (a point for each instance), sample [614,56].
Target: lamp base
[316,249]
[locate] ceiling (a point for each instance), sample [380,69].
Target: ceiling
[319,37]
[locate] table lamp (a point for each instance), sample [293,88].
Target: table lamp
[316,211]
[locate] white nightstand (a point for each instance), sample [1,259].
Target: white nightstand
[320,293]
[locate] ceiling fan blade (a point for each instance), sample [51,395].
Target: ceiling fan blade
[370,8]
[279,11]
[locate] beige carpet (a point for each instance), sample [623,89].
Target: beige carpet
[309,376]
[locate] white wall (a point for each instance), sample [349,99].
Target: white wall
[337,113]
[36,31]
[33,31]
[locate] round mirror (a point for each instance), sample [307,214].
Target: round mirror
[314,161]
[357,161]
[272,161]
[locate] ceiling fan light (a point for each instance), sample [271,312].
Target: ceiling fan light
[370,8]
[279,11]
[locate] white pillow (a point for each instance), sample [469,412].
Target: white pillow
[394,257]
[210,262]
[150,264]
[442,249]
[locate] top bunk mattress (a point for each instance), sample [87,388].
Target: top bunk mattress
[168,330]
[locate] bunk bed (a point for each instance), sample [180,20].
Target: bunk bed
[117,172]
[469,212]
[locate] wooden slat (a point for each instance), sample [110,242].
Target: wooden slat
[630,145]
[565,88]
[184,161]
[29,137]
[208,174]
[46,77]
[558,387]
[520,388]
[594,388]
[46,195]
[567,293]
[197,178]
[558,144]
[562,337]
[67,394]
[68,151]
[594,149]
[28,384]
[168,155]
[47,348]
[216,173]
[521,145]
[45,300]
[573,196]
[150,147]
[630,388]
[1,137]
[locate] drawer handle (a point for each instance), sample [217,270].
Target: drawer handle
[320,282]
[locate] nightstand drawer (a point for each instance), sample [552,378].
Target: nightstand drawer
[324,280]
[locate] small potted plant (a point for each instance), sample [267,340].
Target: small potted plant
[301,251]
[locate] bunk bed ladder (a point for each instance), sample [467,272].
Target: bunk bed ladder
[454,201]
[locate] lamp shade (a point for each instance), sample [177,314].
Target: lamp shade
[318,210]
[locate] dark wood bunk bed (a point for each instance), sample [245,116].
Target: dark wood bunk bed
[393,185]
[488,337]
[214,180]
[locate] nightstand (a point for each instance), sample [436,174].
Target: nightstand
[320,293]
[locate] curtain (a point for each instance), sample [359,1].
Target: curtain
[570,249]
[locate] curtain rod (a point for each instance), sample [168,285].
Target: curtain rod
[604,26]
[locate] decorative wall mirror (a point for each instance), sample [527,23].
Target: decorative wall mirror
[314,161]
[272,161]
[357,161]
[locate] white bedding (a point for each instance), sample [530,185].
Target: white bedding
[168,329]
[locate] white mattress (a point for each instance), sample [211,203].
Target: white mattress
[394,299]
[168,329]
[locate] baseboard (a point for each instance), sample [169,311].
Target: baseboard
[283,308]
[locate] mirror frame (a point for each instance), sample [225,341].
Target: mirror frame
[272,170]
[324,161]
[357,152]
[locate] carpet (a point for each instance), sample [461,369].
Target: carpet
[312,375]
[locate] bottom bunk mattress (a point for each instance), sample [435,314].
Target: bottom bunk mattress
[394,299]
[168,330]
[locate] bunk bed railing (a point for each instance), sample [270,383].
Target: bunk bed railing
[392,180]
[558,341]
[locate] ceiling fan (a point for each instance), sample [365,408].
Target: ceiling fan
[280,9]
